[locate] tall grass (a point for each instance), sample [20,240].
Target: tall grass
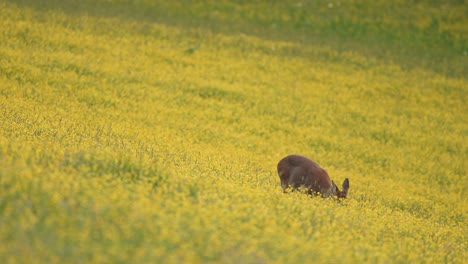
[139,131]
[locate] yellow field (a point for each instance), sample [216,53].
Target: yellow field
[146,132]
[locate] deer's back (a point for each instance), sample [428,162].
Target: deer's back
[301,171]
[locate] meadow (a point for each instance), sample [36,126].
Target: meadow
[149,131]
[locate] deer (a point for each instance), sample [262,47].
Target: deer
[298,171]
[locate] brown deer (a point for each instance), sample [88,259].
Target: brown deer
[297,171]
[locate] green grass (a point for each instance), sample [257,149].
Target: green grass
[146,131]
[428,34]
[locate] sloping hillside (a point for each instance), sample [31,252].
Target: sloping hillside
[149,131]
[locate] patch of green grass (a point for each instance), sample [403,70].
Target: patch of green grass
[419,34]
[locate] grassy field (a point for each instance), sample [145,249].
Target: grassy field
[149,131]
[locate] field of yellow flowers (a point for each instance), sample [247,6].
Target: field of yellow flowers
[149,131]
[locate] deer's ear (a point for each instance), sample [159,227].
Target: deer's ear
[336,187]
[346,184]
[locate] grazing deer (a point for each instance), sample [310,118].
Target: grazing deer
[297,171]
